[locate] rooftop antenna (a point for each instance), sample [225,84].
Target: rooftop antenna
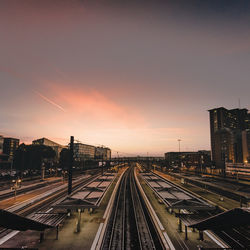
[239,103]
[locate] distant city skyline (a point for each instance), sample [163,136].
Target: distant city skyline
[133,79]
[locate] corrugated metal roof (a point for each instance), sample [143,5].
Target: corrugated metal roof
[88,196]
[174,196]
[16,222]
[229,219]
[52,219]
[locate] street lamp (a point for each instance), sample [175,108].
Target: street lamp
[64,172]
[16,185]
[179,141]
[43,171]
[202,161]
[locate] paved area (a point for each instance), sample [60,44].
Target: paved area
[170,223]
[224,202]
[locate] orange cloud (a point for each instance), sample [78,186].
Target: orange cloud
[93,106]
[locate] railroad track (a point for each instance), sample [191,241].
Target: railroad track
[26,189]
[130,225]
[45,203]
[236,238]
[37,185]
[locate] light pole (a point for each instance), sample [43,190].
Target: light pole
[11,166]
[201,160]
[148,161]
[43,171]
[64,172]
[179,142]
[70,167]
[118,163]
[102,159]
[16,185]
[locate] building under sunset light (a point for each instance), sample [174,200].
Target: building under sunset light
[103,153]
[46,142]
[83,151]
[1,144]
[226,127]
[10,145]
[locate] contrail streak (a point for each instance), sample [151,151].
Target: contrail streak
[50,101]
[18,75]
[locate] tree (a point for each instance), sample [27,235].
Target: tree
[19,157]
[32,156]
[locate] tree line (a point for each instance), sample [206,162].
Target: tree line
[32,156]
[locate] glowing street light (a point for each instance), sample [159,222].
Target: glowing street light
[16,185]
[179,141]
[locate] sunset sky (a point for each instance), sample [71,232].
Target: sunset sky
[134,77]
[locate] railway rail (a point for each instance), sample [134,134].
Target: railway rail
[236,238]
[130,225]
[43,204]
[7,193]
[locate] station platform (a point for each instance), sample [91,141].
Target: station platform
[234,190]
[89,196]
[68,237]
[171,224]
[212,197]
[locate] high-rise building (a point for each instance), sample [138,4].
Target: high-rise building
[46,142]
[102,153]
[10,145]
[1,144]
[188,159]
[246,145]
[83,151]
[226,128]
[223,147]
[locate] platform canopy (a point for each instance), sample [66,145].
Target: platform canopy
[193,218]
[16,222]
[89,196]
[191,205]
[233,218]
[174,196]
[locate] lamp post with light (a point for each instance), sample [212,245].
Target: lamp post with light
[16,185]
[179,142]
